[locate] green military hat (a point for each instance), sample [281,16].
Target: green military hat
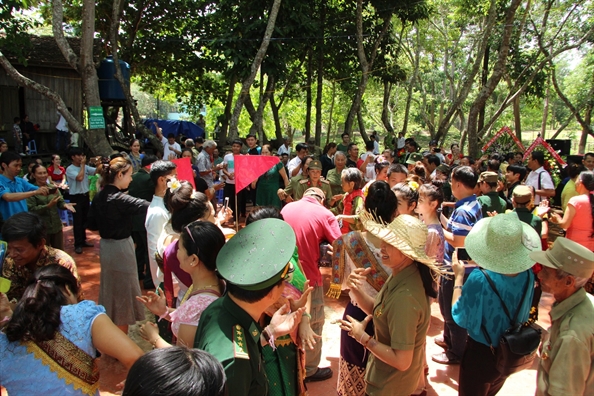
[258,255]
[443,168]
[568,256]
[414,157]
[315,165]
[488,177]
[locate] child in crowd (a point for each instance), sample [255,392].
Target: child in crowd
[407,194]
[429,201]
[353,201]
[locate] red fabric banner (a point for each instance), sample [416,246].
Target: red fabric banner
[498,135]
[541,141]
[250,167]
[184,170]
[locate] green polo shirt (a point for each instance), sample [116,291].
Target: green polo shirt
[566,366]
[492,202]
[401,314]
[230,334]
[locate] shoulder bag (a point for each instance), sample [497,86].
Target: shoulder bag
[518,345]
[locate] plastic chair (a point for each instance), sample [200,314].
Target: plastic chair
[32,147]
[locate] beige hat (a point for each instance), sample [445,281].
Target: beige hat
[489,177]
[315,191]
[568,256]
[406,233]
[522,194]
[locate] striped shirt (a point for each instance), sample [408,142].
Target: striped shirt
[466,213]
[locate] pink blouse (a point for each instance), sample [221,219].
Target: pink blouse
[189,312]
[580,230]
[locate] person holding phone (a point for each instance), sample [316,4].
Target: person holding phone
[46,206]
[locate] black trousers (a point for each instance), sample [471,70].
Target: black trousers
[453,335]
[141,251]
[478,375]
[79,218]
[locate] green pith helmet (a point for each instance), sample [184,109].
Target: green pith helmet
[258,255]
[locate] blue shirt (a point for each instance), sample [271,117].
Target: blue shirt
[480,305]
[18,185]
[466,213]
[78,187]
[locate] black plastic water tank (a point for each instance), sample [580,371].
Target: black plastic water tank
[109,87]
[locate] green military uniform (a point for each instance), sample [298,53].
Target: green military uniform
[293,184]
[256,258]
[525,215]
[492,202]
[314,151]
[233,337]
[306,183]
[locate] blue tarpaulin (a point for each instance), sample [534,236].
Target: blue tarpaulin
[186,128]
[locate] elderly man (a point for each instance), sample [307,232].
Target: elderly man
[205,162]
[285,148]
[313,224]
[189,144]
[567,357]
[27,251]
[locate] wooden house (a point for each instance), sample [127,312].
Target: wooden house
[47,66]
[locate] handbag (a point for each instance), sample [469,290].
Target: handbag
[518,345]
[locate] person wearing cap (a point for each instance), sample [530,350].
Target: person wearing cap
[490,201]
[254,263]
[501,246]
[313,224]
[467,212]
[401,310]
[566,364]
[412,160]
[522,203]
[314,179]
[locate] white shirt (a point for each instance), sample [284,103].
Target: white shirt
[284,150]
[546,183]
[294,163]
[401,143]
[156,218]
[166,150]
[229,160]
[376,147]
[62,123]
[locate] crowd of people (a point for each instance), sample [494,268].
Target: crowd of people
[242,312]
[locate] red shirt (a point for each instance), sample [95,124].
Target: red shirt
[317,226]
[57,177]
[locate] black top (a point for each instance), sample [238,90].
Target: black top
[327,164]
[111,213]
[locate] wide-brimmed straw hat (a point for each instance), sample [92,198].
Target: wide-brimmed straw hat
[406,233]
[502,244]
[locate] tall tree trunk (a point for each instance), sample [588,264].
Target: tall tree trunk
[409,93]
[278,130]
[227,113]
[518,117]
[484,79]
[366,64]
[248,81]
[308,99]
[113,38]
[585,131]
[545,112]
[329,127]
[320,74]
[445,122]
[257,127]
[361,123]
[498,70]
[386,121]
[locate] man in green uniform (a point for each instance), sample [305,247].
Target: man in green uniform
[490,201]
[314,179]
[312,149]
[254,264]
